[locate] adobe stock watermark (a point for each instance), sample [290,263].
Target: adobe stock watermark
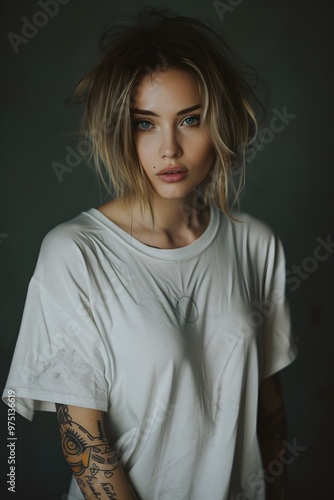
[84,147]
[73,158]
[294,277]
[31,27]
[160,413]
[82,151]
[223,7]
[259,478]
[278,122]
[11,442]
[262,310]
[310,264]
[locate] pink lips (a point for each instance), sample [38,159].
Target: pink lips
[173,174]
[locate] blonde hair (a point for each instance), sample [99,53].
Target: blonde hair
[157,41]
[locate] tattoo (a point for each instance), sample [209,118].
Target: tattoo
[99,426]
[90,457]
[107,488]
[272,430]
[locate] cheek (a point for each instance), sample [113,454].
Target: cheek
[197,144]
[145,149]
[203,151]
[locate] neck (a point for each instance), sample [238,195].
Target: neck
[178,222]
[172,216]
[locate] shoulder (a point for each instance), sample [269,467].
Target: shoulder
[255,243]
[68,241]
[251,229]
[66,233]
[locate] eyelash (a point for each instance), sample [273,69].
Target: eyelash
[138,121]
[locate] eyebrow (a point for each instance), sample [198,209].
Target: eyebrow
[151,113]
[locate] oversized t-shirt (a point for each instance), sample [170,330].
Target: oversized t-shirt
[171,343]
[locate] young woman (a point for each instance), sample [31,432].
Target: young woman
[155,325]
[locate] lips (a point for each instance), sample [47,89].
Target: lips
[172,170]
[173,174]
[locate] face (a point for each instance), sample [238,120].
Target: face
[169,135]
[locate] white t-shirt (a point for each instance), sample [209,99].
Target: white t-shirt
[171,343]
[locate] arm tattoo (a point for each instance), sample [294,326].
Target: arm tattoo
[272,431]
[90,457]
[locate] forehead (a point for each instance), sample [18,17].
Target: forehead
[167,87]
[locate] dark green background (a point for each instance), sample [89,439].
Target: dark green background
[290,186]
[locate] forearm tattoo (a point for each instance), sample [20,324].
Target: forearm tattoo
[90,457]
[272,431]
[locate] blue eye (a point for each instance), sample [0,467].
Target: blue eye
[194,120]
[141,124]
[145,125]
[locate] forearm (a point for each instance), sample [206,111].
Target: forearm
[95,466]
[105,483]
[272,432]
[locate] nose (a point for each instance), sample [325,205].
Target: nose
[170,145]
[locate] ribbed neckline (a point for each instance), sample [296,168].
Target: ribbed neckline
[186,252]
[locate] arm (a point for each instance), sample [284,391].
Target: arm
[272,432]
[87,451]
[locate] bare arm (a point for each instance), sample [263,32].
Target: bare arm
[87,451]
[272,431]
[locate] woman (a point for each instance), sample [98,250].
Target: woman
[156,323]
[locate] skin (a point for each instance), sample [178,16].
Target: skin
[169,139]
[94,464]
[165,140]
[272,432]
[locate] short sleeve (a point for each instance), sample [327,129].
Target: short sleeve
[59,355]
[276,341]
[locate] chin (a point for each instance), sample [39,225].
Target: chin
[175,194]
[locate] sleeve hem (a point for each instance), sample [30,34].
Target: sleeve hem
[27,401]
[281,364]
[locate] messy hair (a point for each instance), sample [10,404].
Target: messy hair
[156,40]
